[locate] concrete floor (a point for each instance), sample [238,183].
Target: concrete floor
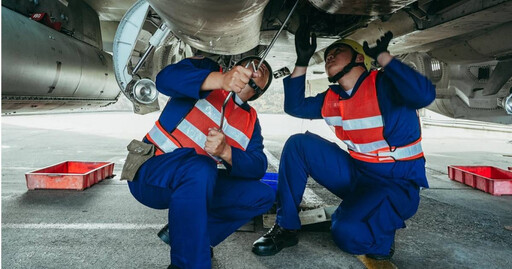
[104,227]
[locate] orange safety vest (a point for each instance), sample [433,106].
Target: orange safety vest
[192,131]
[358,123]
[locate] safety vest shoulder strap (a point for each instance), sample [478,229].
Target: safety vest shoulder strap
[331,109]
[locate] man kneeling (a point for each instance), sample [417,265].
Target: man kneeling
[206,204]
[374,113]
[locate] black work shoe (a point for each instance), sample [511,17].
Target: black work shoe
[173,267]
[274,240]
[383,257]
[164,235]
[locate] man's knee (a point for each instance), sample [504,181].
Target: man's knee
[258,197]
[296,139]
[351,237]
[199,173]
[295,143]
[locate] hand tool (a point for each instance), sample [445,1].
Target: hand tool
[222,111]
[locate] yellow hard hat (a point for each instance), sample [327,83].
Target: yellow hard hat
[355,46]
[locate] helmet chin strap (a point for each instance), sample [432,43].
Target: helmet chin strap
[346,69]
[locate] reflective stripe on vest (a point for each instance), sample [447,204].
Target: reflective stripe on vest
[367,147]
[160,139]
[406,152]
[358,123]
[192,131]
[409,152]
[364,123]
[230,131]
[334,121]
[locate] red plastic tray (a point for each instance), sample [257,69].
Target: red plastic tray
[490,179]
[73,175]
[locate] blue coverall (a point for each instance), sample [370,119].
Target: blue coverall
[377,197]
[205,204]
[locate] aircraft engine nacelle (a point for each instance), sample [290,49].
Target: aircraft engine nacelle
[203,24]
[43,69]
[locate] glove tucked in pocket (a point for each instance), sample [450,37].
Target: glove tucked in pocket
[138,153]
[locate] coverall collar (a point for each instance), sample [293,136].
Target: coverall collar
[341,92]
[241,103]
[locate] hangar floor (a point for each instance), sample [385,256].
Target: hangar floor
[105,227]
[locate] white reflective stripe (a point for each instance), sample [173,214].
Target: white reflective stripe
[192,132]
[209,110]
[404,152]
[165,144]
[349,144]
[161,140]
[235,134]
[367,147]
[334,121]
[364,123]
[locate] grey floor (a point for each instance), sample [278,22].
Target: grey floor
[104,227]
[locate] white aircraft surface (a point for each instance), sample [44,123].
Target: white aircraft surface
[85,53]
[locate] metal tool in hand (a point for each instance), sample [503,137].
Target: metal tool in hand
[223,108]
[265,53]
[276,36]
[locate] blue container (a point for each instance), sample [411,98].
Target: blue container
[270,179]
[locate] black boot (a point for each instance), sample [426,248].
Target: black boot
[274,240]
[383,257]
[164,235]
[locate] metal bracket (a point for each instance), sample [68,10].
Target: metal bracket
[501,74]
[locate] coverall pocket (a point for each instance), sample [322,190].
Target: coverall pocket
[138,153]
[384,221]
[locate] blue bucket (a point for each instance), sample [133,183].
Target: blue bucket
[270,179]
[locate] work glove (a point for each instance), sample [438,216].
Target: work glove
[303,46]
[382,46]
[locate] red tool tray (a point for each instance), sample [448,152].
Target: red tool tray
[73,175]
[490,179]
